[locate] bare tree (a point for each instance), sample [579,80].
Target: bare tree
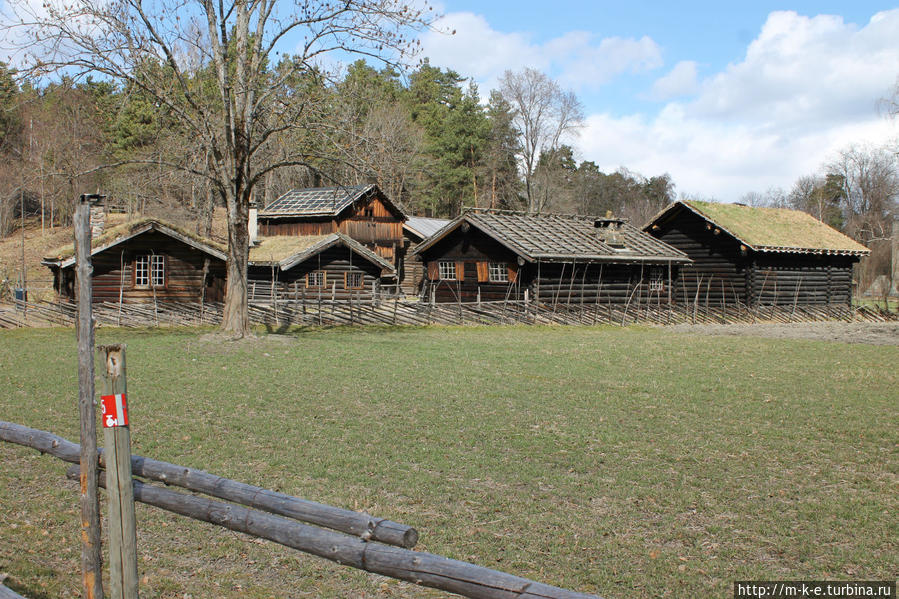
[869,177]
[820,196]
[774,197]
[544,116]
[207,64]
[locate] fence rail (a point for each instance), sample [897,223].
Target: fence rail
[357,550]
[404,312]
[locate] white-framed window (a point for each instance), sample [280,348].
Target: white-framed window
[656,279]
[498,272]
[353,280]
[446,270]
[149,270]
[316,278]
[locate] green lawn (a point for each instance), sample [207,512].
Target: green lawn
[625,462]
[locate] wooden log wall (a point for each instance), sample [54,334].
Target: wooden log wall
[590,283]
[336,261]
[468,289]
[467,248]
[271,228]
[411,270]
[184,272]
[788,279]
[719,270]
[369,222]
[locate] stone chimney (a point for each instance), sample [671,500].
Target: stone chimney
[98,219]
[253,224]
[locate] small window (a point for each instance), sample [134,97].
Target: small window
[498,272]
[353,280]
[316,278]
[656,279]
[149,270]
[446,270]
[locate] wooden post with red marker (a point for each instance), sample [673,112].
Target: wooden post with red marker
[119,485]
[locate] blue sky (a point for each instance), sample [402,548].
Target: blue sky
[726,97]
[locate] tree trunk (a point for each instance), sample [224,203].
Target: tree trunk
[235,318]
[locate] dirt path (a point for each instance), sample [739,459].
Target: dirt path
[872,333]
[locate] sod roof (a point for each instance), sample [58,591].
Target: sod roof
[64,256]
[283,251]
[287,251]
[770,229]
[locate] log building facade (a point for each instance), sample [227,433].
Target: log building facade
[143,261]
[488,255]
[752,256]
[362,213]
[148,261]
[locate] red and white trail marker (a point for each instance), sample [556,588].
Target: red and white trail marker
[115,410]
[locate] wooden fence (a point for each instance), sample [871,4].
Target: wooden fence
[343,536]
[403,312]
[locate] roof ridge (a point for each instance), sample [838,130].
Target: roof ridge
[507,212]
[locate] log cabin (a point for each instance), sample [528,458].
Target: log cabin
[332,267]
[415,230]
[362,213]
[757,256]
[491,255]
[143,261]
[149,260]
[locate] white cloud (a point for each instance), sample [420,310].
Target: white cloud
[476,50]
[577,59]
[680,81]
[806,87]
[583,63]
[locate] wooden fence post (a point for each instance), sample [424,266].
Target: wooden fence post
[119,487]
[91,559]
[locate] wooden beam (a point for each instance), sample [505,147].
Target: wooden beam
[122,532]
[426,569]
[91,559]
[7,593]
[360,524]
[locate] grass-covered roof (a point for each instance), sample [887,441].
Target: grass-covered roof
[284,251]
[272,250]
[776,229]
[118,233]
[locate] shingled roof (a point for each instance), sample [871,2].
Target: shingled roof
[424,227]
[769,229]
[323,201]
[555,237]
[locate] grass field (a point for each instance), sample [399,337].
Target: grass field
[625,462]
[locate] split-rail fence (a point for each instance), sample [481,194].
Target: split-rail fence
[325,312]
[350,538]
